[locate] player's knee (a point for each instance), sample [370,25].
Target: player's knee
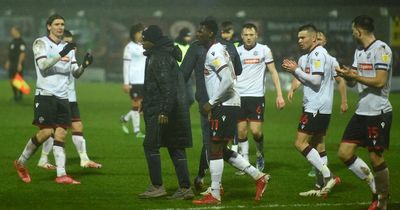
[299,144]
[77,126]
[44,134]
[60,134]
[257,134]
[344,155]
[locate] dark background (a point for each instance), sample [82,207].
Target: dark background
[102,26]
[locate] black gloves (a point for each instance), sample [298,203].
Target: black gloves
[87,60]
[67,48]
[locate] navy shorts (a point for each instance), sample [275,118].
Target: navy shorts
[223,122]
[252,109]
[372,132]
[51,112]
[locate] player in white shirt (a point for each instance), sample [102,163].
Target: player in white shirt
[76,126]
[370,125]
[318,142]
[133,72]
[255,57]
[54,62]
[223,106]
[317,77]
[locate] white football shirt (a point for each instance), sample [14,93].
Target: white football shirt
[318,61]
[220,77]
[55,80]
[376,57]
[134,64]
[252,80]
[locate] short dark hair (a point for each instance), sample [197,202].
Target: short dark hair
[365,22]
[51,19]
[308,27]
[210,25]
[134,29]
[250,26]
[67,33]
[226,26]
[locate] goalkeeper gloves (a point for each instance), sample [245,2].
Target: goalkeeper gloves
[67,48]
[87,60]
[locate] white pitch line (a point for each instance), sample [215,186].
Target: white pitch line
[296,205]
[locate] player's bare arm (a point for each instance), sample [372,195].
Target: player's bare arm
[280,102]
[295,85]
[343,94]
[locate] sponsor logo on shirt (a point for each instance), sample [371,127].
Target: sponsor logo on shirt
[251,61]
[365,66]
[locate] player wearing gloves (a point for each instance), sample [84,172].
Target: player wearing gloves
[54,63]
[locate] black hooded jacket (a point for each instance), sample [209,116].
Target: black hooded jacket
[164,93]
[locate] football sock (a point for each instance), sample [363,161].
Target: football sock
[216,169]
[362,171]
[313,157]
[382,179]
[136,121]
[59,156]
[260,145]
[128,116]
[46,149]
[244,148]
[29,150]
[242,164]
[80,145]
[324,157]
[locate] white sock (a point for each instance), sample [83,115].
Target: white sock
[136,121]
[80,145]
[234,147]
[242,164]
[244,149]
[325,160]
[59,156]
[314,158]
[216,169]
[128,116]
[29,150]
[46,149]
[362,171]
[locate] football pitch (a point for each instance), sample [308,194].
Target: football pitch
[124,172]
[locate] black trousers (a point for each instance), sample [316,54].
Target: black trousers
[178,157]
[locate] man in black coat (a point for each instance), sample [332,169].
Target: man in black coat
[164,99]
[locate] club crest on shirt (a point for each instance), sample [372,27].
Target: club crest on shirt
[369,55]
[255,53]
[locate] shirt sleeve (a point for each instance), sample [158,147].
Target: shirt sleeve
[355,61]
[383,58]
[268,55]
[218,62]
[335,64]
[126,61]
[317,63]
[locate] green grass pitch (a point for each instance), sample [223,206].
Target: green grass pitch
[124,172]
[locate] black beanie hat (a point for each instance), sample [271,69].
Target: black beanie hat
[152,33]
